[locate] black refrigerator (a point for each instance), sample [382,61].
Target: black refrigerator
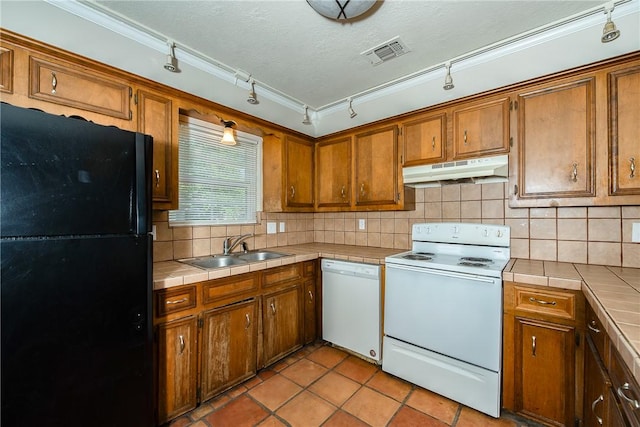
[76,279]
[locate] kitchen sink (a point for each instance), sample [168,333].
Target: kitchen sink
[260,255]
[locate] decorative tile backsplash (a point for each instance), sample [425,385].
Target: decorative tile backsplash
[585,235]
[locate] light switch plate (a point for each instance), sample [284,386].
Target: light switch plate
[635,232]
[361,224]
[271,228]
[282,227]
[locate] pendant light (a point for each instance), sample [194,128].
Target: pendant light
[227,136]
[448,81]
[609,32]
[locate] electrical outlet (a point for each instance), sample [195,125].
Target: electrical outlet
[282,227]
[271,228]
[635,232]
[361,224]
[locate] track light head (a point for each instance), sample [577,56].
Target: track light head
[448,80]
[352,112]
[305,117]
[227,136]
[172,62]
[252,99]
[609,32]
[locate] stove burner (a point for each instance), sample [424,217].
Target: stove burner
[471,259]
[472,264]
[431,254]
[417,257]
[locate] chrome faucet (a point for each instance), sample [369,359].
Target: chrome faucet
[232,241]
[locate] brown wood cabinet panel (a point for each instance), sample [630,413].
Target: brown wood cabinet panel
[177,368]
[156,117]
[626,387]
[229,287]
[6,70]
[78,87]
[309,297]
[281,323]
[229,337]
[175,300]
[545,362]
[624,131]
[376,158]
[281,275]
[299,172]
[481,129]
[333,173]
[553,303]
[556,137]
[596,388]
[597,333]
[425,140]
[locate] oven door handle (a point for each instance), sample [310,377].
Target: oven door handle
[442,273]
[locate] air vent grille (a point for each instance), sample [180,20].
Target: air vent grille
[386,51]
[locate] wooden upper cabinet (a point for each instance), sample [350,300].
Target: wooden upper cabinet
[333,173]
[158,117]
[6,69]
[79,87]
[556,141]
[624,131]
[481,128]
[299,172]
[425,140]
[376,170]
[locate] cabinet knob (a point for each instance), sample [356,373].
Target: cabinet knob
[593,408]
[433,143]
[592,327]
[248,321]
[542,302]
[574,174]
[181,338]
[293,192]
[632,167]
[624,387]
[533,346]
[465,137]
[310,296]
[157,178]
[362,192]
[54,82]
[273,308]
[343,192]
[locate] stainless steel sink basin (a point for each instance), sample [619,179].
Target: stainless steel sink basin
[216,261]
[260,255]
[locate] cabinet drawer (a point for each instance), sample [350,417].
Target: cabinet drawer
[215,290]
[78,87]
[280,275]
[625,387]
[175,300]
[552,303]
[596,331]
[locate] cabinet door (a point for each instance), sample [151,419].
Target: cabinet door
[177,375]
[6,69]
[334,173]
[309,297]
[156,118]
[556,138]
[376,175]
[624,128]
[229,337]
[545,371]
[425,140]
[596,388]
[281,324]
[67,84]
[299,172]
[481,129]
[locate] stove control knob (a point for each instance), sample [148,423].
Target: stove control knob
[418,230]
[499,233]
[486,232]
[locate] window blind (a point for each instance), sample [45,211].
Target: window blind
[218,184]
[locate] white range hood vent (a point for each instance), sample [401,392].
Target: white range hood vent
[481,170]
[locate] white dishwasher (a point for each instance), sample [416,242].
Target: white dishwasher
[351,307]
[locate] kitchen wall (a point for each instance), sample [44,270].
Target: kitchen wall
[594,235]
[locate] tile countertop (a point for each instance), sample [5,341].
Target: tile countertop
[612,292]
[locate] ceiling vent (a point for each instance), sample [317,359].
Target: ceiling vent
[386,51]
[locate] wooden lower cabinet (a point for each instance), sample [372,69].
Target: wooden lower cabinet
[281,323]
[310,317]
[597,400]
[229,336]
[177,367]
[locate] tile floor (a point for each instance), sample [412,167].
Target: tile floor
[324,386]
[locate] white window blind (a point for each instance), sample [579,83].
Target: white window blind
[218,184]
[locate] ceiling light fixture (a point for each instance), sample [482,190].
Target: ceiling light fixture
[172,62]
[252,99]
[305,117]
[352,112]
[609,32]
[448,81]
[341,9]
[227,136]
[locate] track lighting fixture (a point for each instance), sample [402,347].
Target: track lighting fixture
[448,81]
[305,117]
[609,32]
[352,113]
[252,99]
[172,62]
[227,136]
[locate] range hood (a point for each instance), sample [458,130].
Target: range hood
[483,169]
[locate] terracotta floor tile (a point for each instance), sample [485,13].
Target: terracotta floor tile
[306,410]
[409,417]
[265,374]
[472,418]
[371,407]
[342,419]
[304,372]
[272,421]
[327,356]
[390,385]
[236,391]
[356,369]
[183,421]
[433,404]
[335,388]
[199,424]
[279,366]
[201,411]
[252,382]
[219,401]
[241,412]
[275,391]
